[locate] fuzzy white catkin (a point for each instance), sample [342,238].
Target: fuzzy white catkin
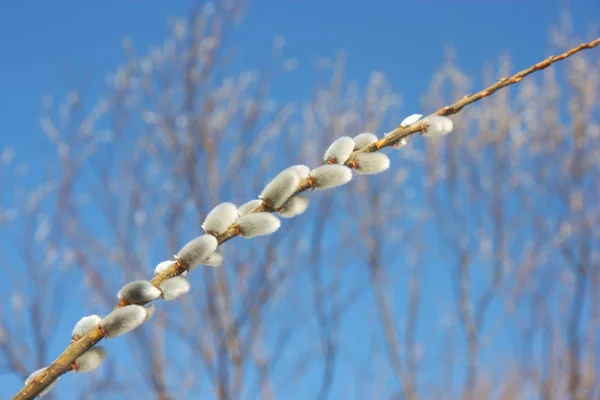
[34,374]
[411,119]
[90,360]
[174,287]
[197,250]
[165,265]
[84,325]
[340,150]
[214,260]
[150,309]
[363,140]
[257,224]
[248,207]
[294,207]
[280,189]
[402,142]
[123,320]
[329,176]
[436,125]
[301,170]
[138,292]
[371,163]
[220,218]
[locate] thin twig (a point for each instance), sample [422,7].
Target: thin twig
[64,362]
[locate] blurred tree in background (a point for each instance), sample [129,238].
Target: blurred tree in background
[469,270]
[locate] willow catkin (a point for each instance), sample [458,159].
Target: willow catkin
[371,163]
[214,260]
[138,292]
[280,189]
[436,125]
[174,287]
[294,207]
[257,224]
[84,325]
[301,170]
[90,360]
[220,218]
[197,250]
[248,207]
[411,119]
[122,320]
[340,150]
[363,140]
[330,176]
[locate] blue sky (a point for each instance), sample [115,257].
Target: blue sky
[49,46]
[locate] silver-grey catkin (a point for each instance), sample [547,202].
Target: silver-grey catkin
[371,163]
[214,260]
[257,224]
[329,176]
[294,207]
[411,119]
[34,374]
[90,360]
[220,218]
[122,320]
[281,188]
[138,292]
[301,170]
[165,265]
[363,140]
[174,287]
[340,150]
[437,125]
[197,250]
[84,325]
[248,207]
[402,142]
[150,309]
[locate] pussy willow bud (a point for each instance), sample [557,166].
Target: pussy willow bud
[371,163]
[340,150]
[220,218]
[122,320]
[165,265]
[411,119]
[214,260]
[84,325]
[174,287]
[257,224]
[329,176]
[293,207]
[197,250]
[248,207]
[363,140]
[436,126]
[90,360]
[301,170]
[138,292]
[281,188]
[34,374]
[150,309]
[402,142]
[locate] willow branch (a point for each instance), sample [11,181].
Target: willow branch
[64,363]
[399,133]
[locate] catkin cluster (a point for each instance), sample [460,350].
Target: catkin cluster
[254,218]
